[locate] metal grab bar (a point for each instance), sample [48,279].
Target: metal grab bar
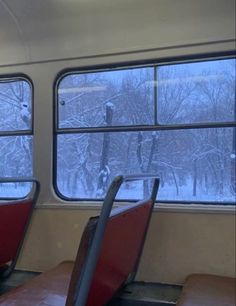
[90,264]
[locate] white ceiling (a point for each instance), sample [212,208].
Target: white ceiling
[34,30]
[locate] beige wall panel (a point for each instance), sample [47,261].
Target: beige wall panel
[182,243]
[53,236]
[177,243]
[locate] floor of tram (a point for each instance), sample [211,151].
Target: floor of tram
[134,294]
[147,294]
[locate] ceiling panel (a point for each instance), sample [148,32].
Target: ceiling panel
[32,30]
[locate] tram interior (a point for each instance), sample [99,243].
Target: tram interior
[96,96]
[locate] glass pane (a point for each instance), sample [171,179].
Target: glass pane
[110,98]
[15,161]
[14,190]
[196,92]
[15,105]
[193,165]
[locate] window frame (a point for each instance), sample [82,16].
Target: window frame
[18,132]
[133,128]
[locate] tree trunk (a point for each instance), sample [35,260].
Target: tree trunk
[104,172]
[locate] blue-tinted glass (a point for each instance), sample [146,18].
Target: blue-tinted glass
[110,98]
[193,165]
[14,190]
[196,92]
[15,161]
[15,105]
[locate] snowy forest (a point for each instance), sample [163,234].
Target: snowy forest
[196,164]
[15,151]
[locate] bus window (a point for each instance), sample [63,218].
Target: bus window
[15,134]
[176,121]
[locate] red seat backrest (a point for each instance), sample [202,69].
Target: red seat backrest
[121,246]
[14,217]
[120,251]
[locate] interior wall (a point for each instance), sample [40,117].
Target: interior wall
[31,32]
[177,244]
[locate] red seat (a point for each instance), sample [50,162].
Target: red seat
[14,219]
[119,254]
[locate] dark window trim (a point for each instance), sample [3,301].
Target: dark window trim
[129,65]
[7,78]
[153,64]
[144,128]
[145,63]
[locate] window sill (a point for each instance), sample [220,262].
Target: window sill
[160,207]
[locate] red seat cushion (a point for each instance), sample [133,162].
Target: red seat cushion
[49,288]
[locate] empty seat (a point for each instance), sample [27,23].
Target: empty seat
[14,220]
[208,290]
